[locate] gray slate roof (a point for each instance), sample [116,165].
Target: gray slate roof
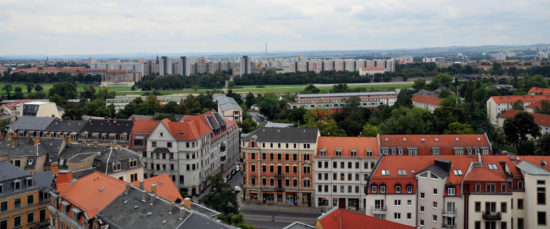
[299,225]
[129,211]
[29,123]
[66,126]
[10,172]
[287,134]
[227,103]
[104,162]
[532,169]
[26,147]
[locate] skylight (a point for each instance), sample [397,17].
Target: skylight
[385,172]
[402,172]
[492,166]
[458,172]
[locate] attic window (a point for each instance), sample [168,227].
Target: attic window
[543,163]
[385,139]
[385,172]
[402,172]
[423,140]
[404,139]
[457,139]
[30,161]
[492,166]
[437,139]
[478,139]
[458,172]
[17,184]
[323,152]
[133,163]
[116,166]
[29,182]
[338,152]
[353,152]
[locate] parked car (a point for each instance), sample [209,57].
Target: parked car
[237,189]
[233,172]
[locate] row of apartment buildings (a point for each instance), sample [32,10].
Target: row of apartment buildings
[296,166]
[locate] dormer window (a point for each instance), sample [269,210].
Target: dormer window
[338,152]
[369,153]
[133,163]
[451,191]
[374,188]
[400,151]
[29,182]
[1,188]
[423,140]
[409,188]
[458,172]
[353,152]
[382,188]
[435,150]
[436,139]
[117,166]
[323,152]
[16,184]
[397,188]
[385,151]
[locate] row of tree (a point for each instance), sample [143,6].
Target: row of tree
[35,78]
[171,82]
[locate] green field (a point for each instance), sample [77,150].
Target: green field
[293,88]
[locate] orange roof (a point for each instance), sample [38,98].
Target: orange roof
[482,174]
[165,187]
[426,99]
[485,66]
[524,98]
[343,219]
[144,126]
[360,144]
[538,90]
[92,193]
[540,119]
[12,105]
[372,68]
[425,142]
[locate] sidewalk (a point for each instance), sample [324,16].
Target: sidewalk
[283,208]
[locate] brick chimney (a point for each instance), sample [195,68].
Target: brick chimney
[69,140]
[36,140]
[54,167]
[141,185]
[64,176]
[14,141]
[187,203]
[10,136]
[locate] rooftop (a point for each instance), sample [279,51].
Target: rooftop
[338,218]
[346,144]
[540,119]
[29,123]
[227,103]
[287,134]
[347,94]
[426,99]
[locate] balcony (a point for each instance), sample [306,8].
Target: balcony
[448,226]
[487,215]
[449,212]
[379,210]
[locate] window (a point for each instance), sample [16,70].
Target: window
[287,169]
[402,172]
[271,156]
[379,204]
[503,207]
[117,166]
[17,221]
[385,172]
[42,214]
[294,157]
[477,225]
[279,156]
[263,156]
[409,215]
[253,156]
[458,172]
[421,195]
[397,202]
[30,199]
[154,144]
[541,196]
[17,203]
[541,218]
[30,217]
[540,182]
[451,191]
[520,203]
[397,188]
[306,169]
[434,204]
[169,144]
[4,224]
[421,208]
[397,215]
[492,166]
[478,187]
[382,188]
[421,222]
[409,202]
[503,225]
[435,191]
[490,206]
[4,206]
[477,206]
[433,176]
[264,168]
[503,187]
[374,188]
[133,163]
[434,218]
[17,184]
[409,188]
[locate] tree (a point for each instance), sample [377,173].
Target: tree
[419,84]
[96,107]
[65,90]
[221,197]
[370,130]
[526,147]
[543,145]
[170,108]
[518,128]
[311,89]
[38,88]
[338,88]
[544,107]
[518,105]
[444,94]
[459,128]
[404,98]
[440,80]
[449,101]
[270,105]
[247,125]
[250,99]
[8,89]
[29,87]
[405,120]
[236,97]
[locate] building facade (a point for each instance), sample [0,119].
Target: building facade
[338,100]
[278,165]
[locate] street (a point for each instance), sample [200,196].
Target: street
[263,216]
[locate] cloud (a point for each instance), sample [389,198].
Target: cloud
[103,26]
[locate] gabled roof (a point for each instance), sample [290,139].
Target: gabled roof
[346,144]
[426,99]
[66,126]
[227,103]
[165,187]
[532,169]
[25,147]
[10,172]
[91,193]
[29,123]
[144,126]
[538,90]
[434,140]
[288,134]
[108,126]
[540,119]
[482,174]
[338,218]
[524,98]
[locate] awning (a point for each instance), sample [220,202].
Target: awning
[323,198]
[335,198]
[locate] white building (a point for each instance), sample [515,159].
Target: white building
[229,108]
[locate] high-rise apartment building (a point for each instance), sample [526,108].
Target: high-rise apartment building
[245,65]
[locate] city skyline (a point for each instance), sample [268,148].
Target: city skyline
[68,28]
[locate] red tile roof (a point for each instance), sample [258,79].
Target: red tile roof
[343,219]
[91,193]
[524,98]
[13,105]
[144,126]
[372,68]
[540,119]
[538,90]
[426,99]
[425,143]
[482,174]
[165,187]
[360,144]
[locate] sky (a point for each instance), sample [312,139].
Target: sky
[57,27]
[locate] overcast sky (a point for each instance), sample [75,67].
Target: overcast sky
[55,27]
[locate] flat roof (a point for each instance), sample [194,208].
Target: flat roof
[348,94]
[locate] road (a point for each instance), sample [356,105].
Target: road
[272,216]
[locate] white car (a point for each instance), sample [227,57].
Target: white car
[237,189]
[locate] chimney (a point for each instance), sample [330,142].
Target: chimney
[153,199]
[10,136]
[36,140]
[14,141]
[187,203]
[64,176]
[127,189]
[143,195]
[54,167]
[172,208]
[141,185]
[154,189]
[69,140]
[182,212]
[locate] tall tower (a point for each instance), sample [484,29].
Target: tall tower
[244,65]
[184,66]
